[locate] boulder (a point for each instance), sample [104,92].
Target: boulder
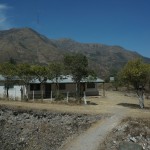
[129,146]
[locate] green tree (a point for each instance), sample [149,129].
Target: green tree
[8,70]
[116,82]
[25,74]
[136,73]
[55,70]
[41,73]
[77,65]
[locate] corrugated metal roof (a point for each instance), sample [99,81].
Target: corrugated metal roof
[14,78]
[62,79]
[69,79]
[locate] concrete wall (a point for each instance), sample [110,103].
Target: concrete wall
[69,88]
[92,91]
[14,93]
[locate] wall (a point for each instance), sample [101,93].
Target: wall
[14,93]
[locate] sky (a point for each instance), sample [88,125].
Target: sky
[112,22]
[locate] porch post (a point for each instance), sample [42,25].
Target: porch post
[51,95]
[103,89]
[15,93]
[67,96]
[85,102]
[33,95]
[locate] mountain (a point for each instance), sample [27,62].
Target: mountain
[102,57]
[26,45]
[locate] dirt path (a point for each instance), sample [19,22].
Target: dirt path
[91,139]
[115,103]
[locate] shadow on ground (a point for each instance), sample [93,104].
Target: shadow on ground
[134,106]
[91,103]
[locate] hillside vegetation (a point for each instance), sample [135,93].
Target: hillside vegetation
[26,45]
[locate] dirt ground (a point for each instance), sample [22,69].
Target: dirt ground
[40,130]
[131,130]
[98,105]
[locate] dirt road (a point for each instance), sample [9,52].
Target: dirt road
[91,139]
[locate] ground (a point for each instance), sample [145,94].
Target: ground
[110,109]
[132,130]
[40,130]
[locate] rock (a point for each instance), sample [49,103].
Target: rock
[148,147]
[129,146]
[27,116]
[133,139]
[15,113]
[19,119]
[10,121]
[22,139]
[40,130]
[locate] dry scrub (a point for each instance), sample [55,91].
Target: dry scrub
[135,130]
[40,130]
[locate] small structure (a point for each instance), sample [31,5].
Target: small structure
[67,86]
[13,86]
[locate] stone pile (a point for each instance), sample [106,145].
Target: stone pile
[39,130]
[136,131]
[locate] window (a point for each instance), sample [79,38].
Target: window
[9,86]
[90,85]
[34,87]
[62,86]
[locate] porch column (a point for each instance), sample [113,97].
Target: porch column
[103,89]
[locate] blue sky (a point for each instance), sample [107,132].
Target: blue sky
[112,22]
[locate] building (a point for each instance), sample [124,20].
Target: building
[88,86]
[13,88]
[66,85]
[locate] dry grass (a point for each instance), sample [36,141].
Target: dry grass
[99,105]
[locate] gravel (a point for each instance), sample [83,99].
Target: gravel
[40,130]
[131,130]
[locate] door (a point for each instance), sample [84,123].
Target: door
[47,90]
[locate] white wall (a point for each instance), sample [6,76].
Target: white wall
[14,93]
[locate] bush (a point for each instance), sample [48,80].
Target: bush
[59,97]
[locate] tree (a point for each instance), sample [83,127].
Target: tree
[77,65]
[136,73]
[25,74]
[7,70]
[116,81]
[55,70]
[41,73]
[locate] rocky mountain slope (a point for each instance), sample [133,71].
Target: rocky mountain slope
[26,45]
[102,57]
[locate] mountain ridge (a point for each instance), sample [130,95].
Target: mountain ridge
[27,45]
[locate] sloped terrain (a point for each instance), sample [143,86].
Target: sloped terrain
[40,130]
[132,130]
[102,57]
[26,45]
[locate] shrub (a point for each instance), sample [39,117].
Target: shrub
[59,97]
